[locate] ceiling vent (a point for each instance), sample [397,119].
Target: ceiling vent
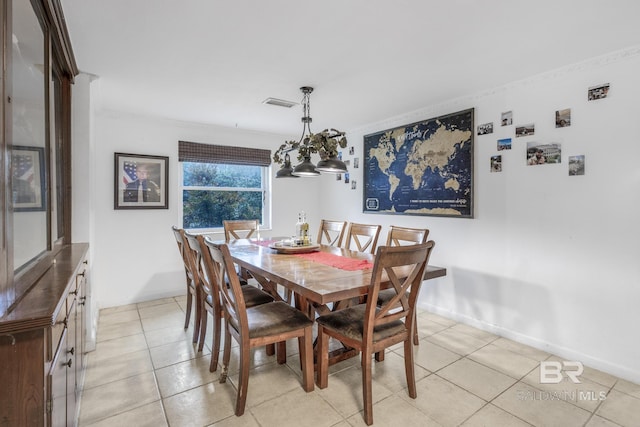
[279,102]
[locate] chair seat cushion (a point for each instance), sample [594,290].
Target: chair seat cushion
[275,318]
[350,323]
[254,296]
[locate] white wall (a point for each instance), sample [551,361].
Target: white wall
[549,259]
[135,257]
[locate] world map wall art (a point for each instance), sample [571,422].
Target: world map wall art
[424,168]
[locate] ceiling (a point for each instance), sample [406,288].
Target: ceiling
[215,61]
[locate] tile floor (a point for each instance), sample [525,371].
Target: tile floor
[146,372]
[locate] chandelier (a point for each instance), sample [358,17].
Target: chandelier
[324,143]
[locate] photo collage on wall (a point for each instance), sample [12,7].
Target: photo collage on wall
[355,164]
[539,153]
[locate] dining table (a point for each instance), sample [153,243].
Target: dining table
[322,279]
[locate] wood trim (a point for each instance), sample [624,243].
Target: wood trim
[60,37]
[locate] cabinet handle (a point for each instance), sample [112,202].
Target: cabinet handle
[69,363]
[73,350]
[83,300]
[85,262]
[82,274]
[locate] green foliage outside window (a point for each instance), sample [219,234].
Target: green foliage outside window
[222,192]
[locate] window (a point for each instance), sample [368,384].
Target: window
[222,182]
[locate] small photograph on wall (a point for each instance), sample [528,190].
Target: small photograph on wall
[346,178]
[356,163]
[525,130]
[543,154]
[598,92]
[507,118]
[496,163]
[351,150]
[563,118]
[338,177]
[576,165]
[485,129]
[504,144]
[353,185]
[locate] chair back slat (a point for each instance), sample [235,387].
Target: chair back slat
[178,233]
[232,297]
[399,236]
[205,268]
[403,267]
[239,229]
[331,232]
[364,236]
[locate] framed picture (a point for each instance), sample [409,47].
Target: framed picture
[141,182]
[422,168]
[27,171]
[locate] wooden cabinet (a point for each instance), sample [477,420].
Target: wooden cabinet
[42,357]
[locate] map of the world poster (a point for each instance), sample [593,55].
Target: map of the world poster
[424,168]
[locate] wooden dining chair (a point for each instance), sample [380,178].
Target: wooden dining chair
[270,323]
[399,236]
[192,289]
[331,232]
[369,328]
[202,265]
[362,237]
[240,229]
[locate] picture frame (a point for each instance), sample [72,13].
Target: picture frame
[27,172]
[141,181]
[422,168]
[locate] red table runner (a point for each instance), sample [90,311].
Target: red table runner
[343,263]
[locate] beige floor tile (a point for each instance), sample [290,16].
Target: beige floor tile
[628,387]
[170,307]
[155,302]
[539,409]
[621,408]
[427,327]
[163,321]
[485,336]
[478,379]
[158,337]
[392,412]
[433,357]
[597,421]
[437,318]
[176,352]
[505,361]
[118,330]
[183,376]
[105,370]
[114,317]
[247,420]
[521,349]
[296,409]
[592,374]
[267,382]
[120,308]
[344,391]
[117,397]
[391,372]
[201,406]
[456,341]
[443,401]
[586,394]
[150,415]
[120,346]
[492,416]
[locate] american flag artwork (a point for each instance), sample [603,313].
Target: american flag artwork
[23,167]
[130,172]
